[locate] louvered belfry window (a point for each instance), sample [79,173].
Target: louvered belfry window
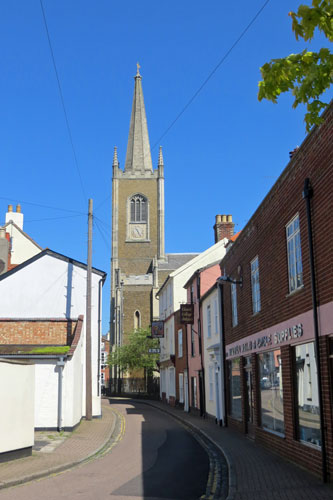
[138,209]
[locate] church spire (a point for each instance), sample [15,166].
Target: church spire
[138,157]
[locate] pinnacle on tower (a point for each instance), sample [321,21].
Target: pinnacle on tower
[160,158]
[138,157]
[115,157]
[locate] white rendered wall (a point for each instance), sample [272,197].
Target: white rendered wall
[46,394]
[22,247]
[17,406]
[53,288]
[208,342]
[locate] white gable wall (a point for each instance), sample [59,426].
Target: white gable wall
[22,247]
[53,288]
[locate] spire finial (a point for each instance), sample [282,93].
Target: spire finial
[160,158]
[115,157]
[138,69]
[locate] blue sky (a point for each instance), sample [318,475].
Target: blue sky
[221,156]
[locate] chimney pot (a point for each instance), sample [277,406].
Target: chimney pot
[10,208]
[18,208]
[224,218]
[218,218]
[229,218]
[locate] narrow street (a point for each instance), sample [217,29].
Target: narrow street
[152,456]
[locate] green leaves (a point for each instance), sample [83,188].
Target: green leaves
[134,354]
[308,74]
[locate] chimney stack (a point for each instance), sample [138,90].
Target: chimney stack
[224,227]
[16,217]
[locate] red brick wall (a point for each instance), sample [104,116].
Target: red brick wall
[265,236]
[20,332]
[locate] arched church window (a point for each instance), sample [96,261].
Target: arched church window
[139,210]
[137,320]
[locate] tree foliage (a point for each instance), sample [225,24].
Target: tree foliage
[307,74]
[134,355]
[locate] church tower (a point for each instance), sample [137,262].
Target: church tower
[137,228]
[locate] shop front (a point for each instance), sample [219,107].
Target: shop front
[272,389]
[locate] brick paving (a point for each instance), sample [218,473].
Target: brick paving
[254,472]
[84,442]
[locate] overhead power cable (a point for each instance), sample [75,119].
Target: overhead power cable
[108,246]
[221,61]
[61,209]
[63,102]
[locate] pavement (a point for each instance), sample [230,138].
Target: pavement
[254,473]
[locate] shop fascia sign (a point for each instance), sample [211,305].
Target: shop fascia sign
[281,337]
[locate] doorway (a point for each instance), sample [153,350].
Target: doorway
[249,398]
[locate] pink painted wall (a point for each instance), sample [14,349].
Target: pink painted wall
[208,277]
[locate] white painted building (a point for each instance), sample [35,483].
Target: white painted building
[171,294]
[22,247]
[213,359]
[50,287]
[17,389]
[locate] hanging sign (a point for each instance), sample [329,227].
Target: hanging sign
[157,330]
[187,314]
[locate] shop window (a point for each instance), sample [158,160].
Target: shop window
[271,391]
[295,269]
[308,418]
[256,305]
[234,304]
[235,389]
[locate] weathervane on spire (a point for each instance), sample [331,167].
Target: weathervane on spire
[138,69]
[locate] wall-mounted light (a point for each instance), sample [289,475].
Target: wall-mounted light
[227,279]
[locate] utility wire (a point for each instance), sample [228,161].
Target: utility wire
[221,61]
[104,224]
[108,246]
[63,102]
[54,218]
[43,206]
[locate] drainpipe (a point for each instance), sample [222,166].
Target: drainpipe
[307,195]
[60,364]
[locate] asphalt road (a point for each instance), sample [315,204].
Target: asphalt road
[153,457]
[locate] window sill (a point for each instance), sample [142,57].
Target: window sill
[276,433]
[310,445]
[299,289]
[137,241]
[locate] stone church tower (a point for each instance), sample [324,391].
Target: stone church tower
[137,228]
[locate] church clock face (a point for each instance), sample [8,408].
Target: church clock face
[138,231]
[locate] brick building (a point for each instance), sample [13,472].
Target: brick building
[273,391]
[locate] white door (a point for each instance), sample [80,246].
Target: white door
[186,406]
